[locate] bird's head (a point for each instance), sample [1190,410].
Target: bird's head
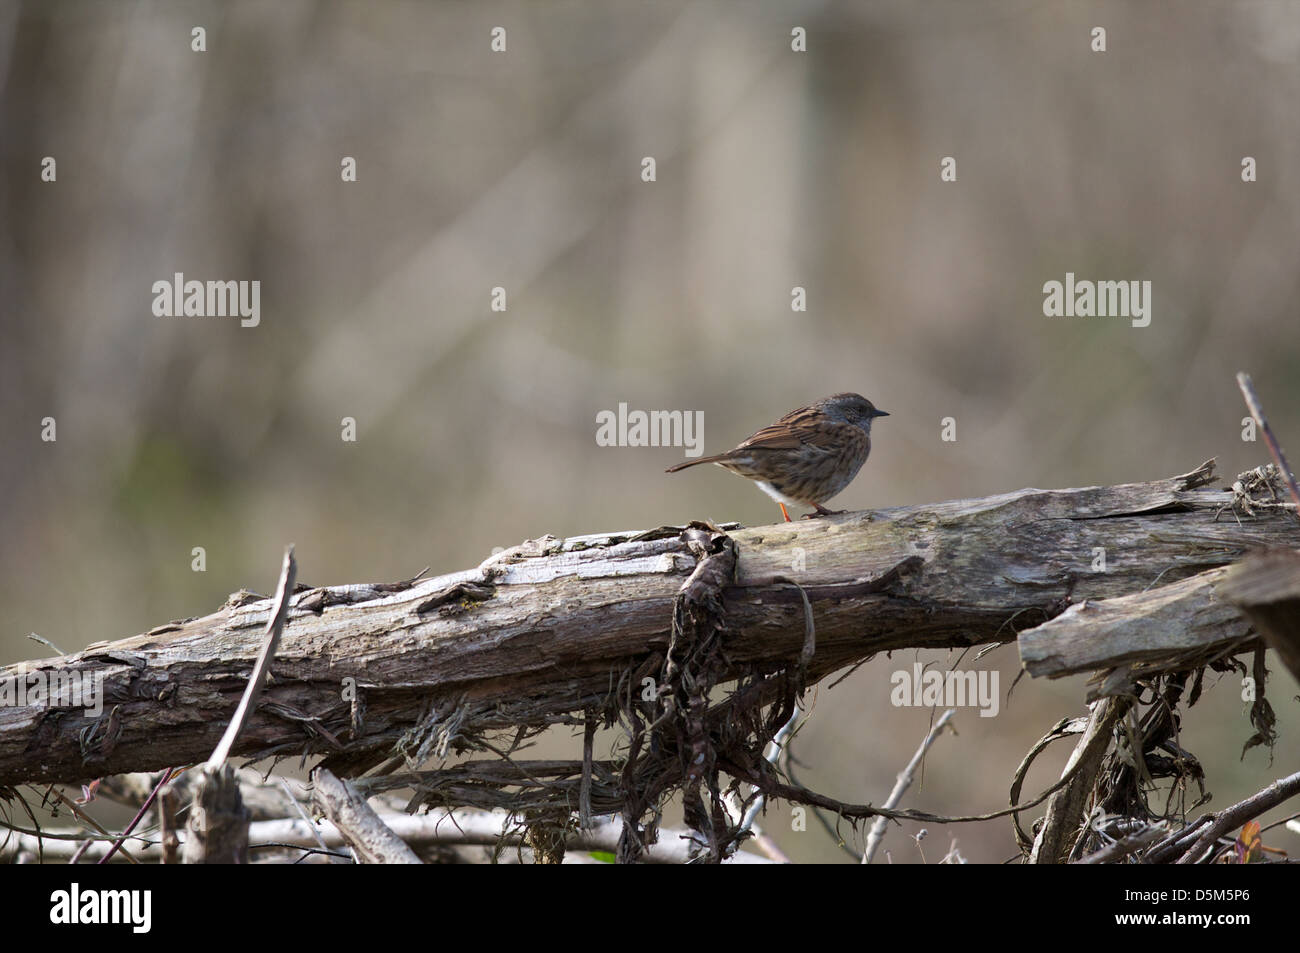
[851,408]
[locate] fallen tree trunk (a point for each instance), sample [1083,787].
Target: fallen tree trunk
[550,629]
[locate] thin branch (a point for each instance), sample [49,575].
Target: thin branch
[1233,817]
[144,809]
[86,819]
[1257,411]
[1126,846]
[904,781]
[274,627]
[297,806]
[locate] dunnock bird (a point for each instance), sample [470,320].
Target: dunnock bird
[807,456]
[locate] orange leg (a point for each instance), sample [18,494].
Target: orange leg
[784,513]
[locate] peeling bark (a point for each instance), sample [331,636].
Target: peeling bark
[540,633]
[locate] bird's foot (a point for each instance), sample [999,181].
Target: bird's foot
[821,511]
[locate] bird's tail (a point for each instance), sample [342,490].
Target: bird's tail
[716,458]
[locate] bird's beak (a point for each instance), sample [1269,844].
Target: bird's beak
[880,413]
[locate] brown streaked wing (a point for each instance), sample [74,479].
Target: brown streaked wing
[802,427]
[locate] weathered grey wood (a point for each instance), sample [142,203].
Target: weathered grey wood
[1183,619]
[542,631]
[1267,588]
[360,826]
[217,832]
[1067,809]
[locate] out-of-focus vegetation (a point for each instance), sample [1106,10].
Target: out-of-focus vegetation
[522,170]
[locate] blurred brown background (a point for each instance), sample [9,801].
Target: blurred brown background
[522,170]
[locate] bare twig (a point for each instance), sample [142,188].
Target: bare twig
[1125,846]
[776,749]
[218,823]
[167,836]
[144,809]
[588,746]
[904,781]
[274,627]
[86,819]
[1257,411]
[44,641]
[297,806]
[773,754]
[1217,825]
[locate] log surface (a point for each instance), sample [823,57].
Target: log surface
[542,631]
